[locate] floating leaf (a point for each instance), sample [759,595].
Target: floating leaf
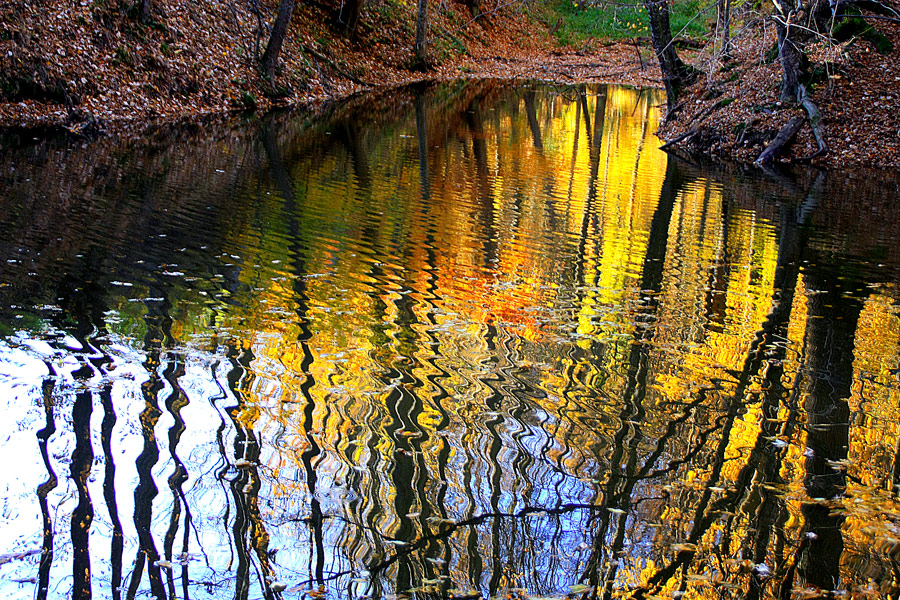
[579,588]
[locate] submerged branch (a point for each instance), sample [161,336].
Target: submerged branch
[447,528]
[5,558]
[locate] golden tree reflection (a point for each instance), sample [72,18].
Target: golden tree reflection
[481,338]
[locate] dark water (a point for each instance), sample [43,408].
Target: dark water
[466,340]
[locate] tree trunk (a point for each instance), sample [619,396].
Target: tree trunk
[354,10]
[791,61]
[421,46]
[796,24]
[675,73]
[781,141]
[145,9]
[276,39]
[724,7]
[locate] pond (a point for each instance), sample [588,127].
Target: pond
[456,341]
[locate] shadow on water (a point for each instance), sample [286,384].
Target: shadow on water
[458,340]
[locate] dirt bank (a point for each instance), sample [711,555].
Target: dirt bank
[90,64]
[732,111]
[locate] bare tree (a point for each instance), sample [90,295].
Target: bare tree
[723,8]
[798,23]
[276,39]
[675,73]
[350,13]
[421,46]
[144,8]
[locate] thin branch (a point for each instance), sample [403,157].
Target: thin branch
[680,138]
[877,17]
[447,528]
[5,558]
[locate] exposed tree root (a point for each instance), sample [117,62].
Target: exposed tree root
[815,120]
[680,138]
[781,141]
[790,130]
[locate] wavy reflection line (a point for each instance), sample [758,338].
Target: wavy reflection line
[146,489]
[531,116]
[483,191]
[629,436]
[492,402]
[383,342]
[439,562]
[43,437]
[80,470]
[244,445]
[775,395]
[402,427]
[175,402]
[573,162]
[437,557]
[422,146]
[222,468]
[419,437]
[248,529]
[404,402]
[301,299]
[719,275]
[117,539]
[518,390]
[774,327]
[832,321]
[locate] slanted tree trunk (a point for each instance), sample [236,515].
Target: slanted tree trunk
[421,46]
[675,73]
[353,11]
[276,39]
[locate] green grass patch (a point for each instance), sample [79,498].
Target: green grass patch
[624,19]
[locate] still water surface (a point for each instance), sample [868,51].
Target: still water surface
[456,341]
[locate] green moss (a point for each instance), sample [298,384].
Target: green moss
[857,27]
[247,101]
[772,53]
[123,56]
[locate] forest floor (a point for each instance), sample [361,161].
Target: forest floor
[81,65]
[90,66]
[733,112]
